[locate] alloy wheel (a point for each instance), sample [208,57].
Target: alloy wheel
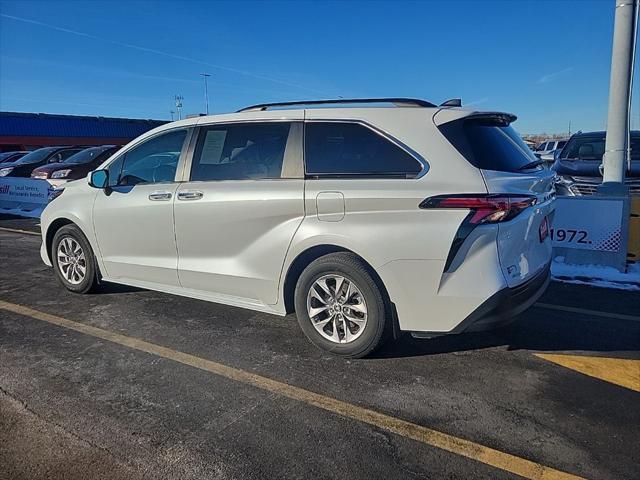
[337,308]
[71,260]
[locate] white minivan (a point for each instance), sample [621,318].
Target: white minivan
[365,217]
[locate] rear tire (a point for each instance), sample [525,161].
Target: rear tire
[73,260]
[340,306]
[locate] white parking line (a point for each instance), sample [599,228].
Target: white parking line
[585,311]
[16,230]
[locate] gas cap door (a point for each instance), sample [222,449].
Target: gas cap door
[330,206]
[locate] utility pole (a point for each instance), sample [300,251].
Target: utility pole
[206,92]
[178,99]
[171,112]
[622,59]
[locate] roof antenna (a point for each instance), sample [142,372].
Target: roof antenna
[454,102]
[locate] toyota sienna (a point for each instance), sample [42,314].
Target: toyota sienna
[366,218]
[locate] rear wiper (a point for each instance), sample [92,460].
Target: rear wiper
[530,165]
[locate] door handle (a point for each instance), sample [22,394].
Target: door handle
[190,195]
[160,196]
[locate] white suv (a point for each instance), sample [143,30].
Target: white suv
[366,220]
[546,149]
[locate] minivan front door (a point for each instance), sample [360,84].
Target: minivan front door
[133,219]
[238,212]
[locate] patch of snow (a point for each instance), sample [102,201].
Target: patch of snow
[596,275]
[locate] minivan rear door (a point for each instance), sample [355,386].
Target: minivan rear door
[509,167]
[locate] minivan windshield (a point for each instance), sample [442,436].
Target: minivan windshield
[86,156]
[36,156]
[591,147]
[490,143]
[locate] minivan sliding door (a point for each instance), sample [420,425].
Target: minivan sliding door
[238,211]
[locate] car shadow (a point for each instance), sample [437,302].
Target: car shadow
[107,288]
[536,330]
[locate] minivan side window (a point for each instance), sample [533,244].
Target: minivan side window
[351,149]
[240,151]
[153,161]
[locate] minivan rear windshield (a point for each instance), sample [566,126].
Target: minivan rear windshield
[489,143]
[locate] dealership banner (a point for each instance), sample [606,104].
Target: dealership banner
[588,223]
[23,196]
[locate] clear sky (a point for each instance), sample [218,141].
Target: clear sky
[546,61]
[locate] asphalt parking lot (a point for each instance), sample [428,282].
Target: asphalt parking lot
[128,383]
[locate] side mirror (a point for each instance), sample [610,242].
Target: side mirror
[99,179]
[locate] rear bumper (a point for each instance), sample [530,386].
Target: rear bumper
[502,307]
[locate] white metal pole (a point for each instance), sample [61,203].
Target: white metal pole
[619,91]
[206,92]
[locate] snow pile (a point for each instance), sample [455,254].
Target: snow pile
[596,275]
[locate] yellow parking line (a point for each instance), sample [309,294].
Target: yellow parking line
[459,446]
[621,371]
[595,313]
[16,230]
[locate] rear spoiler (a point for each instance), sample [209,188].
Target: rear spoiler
[502,116]
[446,115]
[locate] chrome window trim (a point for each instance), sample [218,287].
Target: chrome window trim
[416,156]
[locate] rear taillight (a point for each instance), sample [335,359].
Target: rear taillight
[483,209]
[491,208]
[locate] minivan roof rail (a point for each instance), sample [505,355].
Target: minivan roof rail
[398,102]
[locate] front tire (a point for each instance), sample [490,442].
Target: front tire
[340,306]
[73,260]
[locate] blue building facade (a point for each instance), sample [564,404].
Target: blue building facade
[26,131]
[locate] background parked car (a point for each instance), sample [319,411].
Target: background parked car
[8,157]
[76,166]
[546,149]
[578,164]
[25,165]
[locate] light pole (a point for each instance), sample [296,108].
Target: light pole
[622,57]
[206,92]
